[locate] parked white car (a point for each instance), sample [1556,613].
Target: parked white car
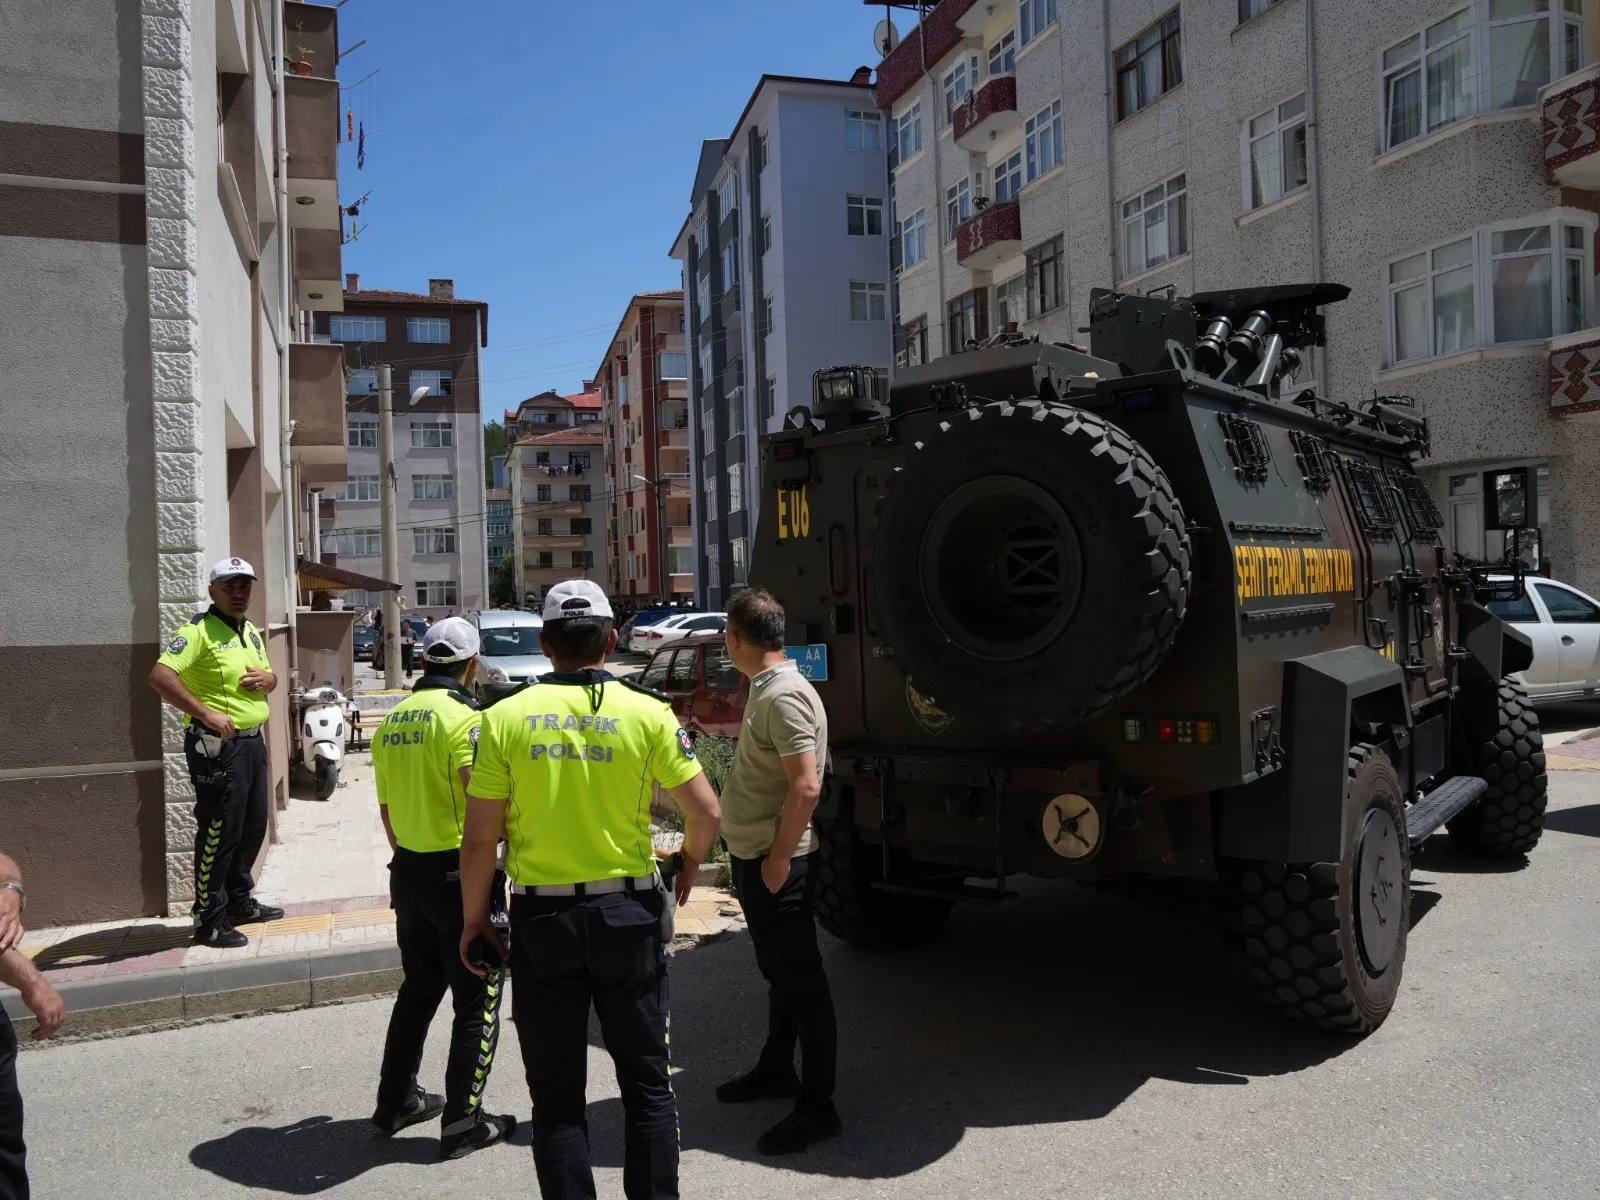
[678,630]
[1564,624]
[652,637]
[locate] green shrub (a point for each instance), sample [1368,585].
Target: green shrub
[716,759]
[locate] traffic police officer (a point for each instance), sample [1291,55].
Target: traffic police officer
[215,671]
[422,757]
[564,767]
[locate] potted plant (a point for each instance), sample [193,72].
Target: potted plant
[302,64]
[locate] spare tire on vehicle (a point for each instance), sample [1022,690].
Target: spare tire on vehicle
[1031,564]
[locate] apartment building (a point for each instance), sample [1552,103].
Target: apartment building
[1440,158]
[644,378]
[497,511]
[558,506]
[159,268]
[549,411]
[785,256]
[431,340]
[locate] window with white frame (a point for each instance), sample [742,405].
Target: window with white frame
[766,314]
[708,488]
[357,543]
[713,567]
[499,529]
[728,194]
[766,232]
[1275,152]
[1045,291]
[736,488]
[438,383]
[673,364]
[863,216]
[432,434]
[362,381]
[863,129]
[761,152]
[1042,140]
[347,327]
[913,239]
[1034,17]
[730,266]
[959,83]
[434,539]
[1003,54]
[362,434]
[910,131]
[1155,226]
[436,593]
[1011,301]
[428,329]
[1506,284]
[740,561]
[1008,177]
[867,300]
[359,487]
[433,487]
[769,398]
[1249,9]
[957,206]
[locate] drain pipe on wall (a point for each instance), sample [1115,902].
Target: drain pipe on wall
[289,497]
[938,176]
[1319,366]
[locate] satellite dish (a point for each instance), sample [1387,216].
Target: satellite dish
[885,37]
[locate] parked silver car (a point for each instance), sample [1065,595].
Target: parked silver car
[510,654]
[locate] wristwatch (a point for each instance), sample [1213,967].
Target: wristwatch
[17,888]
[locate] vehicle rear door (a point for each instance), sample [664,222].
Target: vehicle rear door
[1575,621]
[1544,674]
[682,679]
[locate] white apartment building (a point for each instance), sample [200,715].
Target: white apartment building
[1436,156]
[785,256]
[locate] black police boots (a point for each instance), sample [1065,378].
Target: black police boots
[219,935]
[487,1132]
[420,1106]
[250,910]
[759,1084]
[806,1124]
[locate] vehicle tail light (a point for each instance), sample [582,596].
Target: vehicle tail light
[1187,730]
[1166,730]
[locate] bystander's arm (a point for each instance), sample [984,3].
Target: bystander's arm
[166,683]
[798,804]
[703,821]
[17,970]
[388,829]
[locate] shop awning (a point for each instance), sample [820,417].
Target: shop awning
[324,577]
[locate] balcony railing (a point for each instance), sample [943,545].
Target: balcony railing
[988,114]
[941,33]
[1575,375]
[987,238]
[1572,130]
[316,397]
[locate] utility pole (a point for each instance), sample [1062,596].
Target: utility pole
[390,535]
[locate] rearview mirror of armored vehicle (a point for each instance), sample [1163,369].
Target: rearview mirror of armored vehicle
[846,395]
[1525,548]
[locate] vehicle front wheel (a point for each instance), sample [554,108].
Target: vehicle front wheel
[1507,820]
[327,778]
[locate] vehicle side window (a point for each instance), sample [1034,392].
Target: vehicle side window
[703,623]
[1567,608]
[685,673]
[655,675]
[1520,611]
[720,671]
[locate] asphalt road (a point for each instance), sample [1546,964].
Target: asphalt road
[1072,1045]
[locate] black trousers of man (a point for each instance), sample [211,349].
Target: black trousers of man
[425,890]
[783,934]
[230,813]
[568,952]
[13,1154]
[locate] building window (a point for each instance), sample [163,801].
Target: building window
[957,206]
[730,267]
[436,593]
[735,404]
[740,559]
[1010,302]
[579,492]
[499,509]
[434,539]
[581,526]
[910,131]
[1150,66]
[1155,227]
[362,381]
[968,320]
[359,487]
[673,364]
[959,83]
[542,492]
[545,559]
[769,398]
[766,315]
[433,487]
[1042,141]
[499,529]
[343,327]
[544,526]
[728,194]
[1003,54]
[362,435]
[541,458]
[432,434]
[863,129]
[1044,277]
[1436,64]
[765,233]
[357,543]
[1008,177]
[583,560]
[762,149]
[1035,16]
[914,342]
[428,329]
[864,216]
[1275,153]
[913,239]
[713,568]
[736,488]
[867,300]
[1253,8]
[438,383]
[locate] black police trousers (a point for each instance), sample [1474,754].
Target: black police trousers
[783,934]
[230,814]
[13,1154]
[425,890]
[568,953]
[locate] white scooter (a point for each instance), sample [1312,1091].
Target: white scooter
[320,747]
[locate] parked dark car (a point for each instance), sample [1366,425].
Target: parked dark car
[365,638]
[708,693]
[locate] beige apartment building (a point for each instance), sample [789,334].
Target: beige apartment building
[557,507]
[1439,157]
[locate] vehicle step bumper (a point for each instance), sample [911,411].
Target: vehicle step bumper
[1439,805]
[965,893]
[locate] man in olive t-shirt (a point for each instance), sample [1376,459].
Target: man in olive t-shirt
[772,788]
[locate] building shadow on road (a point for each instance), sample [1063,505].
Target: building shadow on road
[1056,1009]
[1584,819]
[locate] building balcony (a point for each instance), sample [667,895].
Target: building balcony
[316,400]
[1572,130]
[677,486]
[680,535]
[555,541]
[989,113]
[311,34]
[941,33]
[318,273]
[311,114]
[987,238]
[1575,375]
[674,439]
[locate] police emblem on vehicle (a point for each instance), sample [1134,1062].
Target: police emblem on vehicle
[685,744]
[928,714]
[176,645]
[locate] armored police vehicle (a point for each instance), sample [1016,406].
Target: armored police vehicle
[1133,611]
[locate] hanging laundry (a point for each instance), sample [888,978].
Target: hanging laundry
[349,124]
[361,147]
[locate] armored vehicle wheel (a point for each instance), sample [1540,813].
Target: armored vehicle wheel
[1508,819]
[1327,941]
[850,908]
[1031,559]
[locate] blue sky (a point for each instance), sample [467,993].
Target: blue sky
[540,153]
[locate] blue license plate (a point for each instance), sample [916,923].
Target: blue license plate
[813,660]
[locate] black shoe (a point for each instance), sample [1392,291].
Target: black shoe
[759,1084]
[486,1132]
[421,1106]
[250,910]
[799,1129]
[219,935]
